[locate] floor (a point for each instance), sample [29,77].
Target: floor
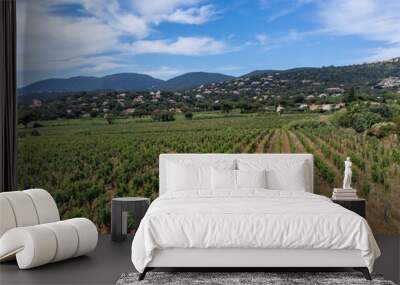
[110,260]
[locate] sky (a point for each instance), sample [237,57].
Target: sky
[166,38]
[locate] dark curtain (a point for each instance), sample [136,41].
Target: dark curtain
[8,119]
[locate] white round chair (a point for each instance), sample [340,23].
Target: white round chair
[31,231]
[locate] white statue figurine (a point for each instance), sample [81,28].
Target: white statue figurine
[347,174]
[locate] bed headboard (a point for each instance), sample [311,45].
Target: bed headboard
[209,158]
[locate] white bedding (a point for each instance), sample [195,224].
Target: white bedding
[250,219]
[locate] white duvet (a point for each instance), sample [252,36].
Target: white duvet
[250,219]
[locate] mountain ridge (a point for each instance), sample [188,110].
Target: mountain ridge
[365,74]
[121,82]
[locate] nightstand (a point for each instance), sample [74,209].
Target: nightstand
[355,205]
[119,214]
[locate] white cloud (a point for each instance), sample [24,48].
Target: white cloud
[262,39]
[289,9]
[176,11]
[161,7]
[102,66]
[181,46]
[375,20]
[194,16]
[50,41]
[164,72]
[382,53]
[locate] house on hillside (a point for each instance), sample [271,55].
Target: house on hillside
[334,90]
[315,107]
[327,107]
[280,109]
[303,106]
[198,96]
[340,105]
[36,103]
[129,111]
[138,99]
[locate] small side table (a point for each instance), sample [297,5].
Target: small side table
[119,215]
[355,205]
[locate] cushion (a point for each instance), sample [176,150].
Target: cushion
[188,175]
[45,205]
[251,178]
[223,179]
[23,208]
[7,218]
[282,174]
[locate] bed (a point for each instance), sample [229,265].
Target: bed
[229,218]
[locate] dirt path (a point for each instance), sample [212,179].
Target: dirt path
[285,142]
[272,142]
[297,144]
[261,145]
[253,145]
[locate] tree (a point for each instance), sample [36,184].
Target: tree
[163,116]
[94,114]
[226,107]
[350,96]
[109,118]
[189,115]
[27,116]
[299,99]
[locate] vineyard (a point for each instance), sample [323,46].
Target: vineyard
[85,163]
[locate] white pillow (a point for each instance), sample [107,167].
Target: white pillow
[282,174]
[188,174]
[251,178]
[181,177]
[227,179]
[223,179]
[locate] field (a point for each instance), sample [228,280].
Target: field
[84,163]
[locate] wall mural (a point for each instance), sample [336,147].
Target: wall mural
[105,86]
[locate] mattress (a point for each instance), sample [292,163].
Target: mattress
[250,219]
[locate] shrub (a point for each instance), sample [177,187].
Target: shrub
[363,121]
[109,118]
[381,109]
[342,118]
[35,133]
[305,123]
[37,125]
[356,116]
[189,115]
[365,188]
[163,116]
[383,129]
[378,174]
[357,160]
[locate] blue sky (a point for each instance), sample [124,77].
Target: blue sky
[165,38]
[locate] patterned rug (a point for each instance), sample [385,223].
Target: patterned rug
[243,278]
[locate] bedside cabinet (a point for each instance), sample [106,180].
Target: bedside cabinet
[119,214]
[356,205]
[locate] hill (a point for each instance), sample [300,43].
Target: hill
[121,81]
[56,87]
[313,82]
[193,79]
[264,86]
